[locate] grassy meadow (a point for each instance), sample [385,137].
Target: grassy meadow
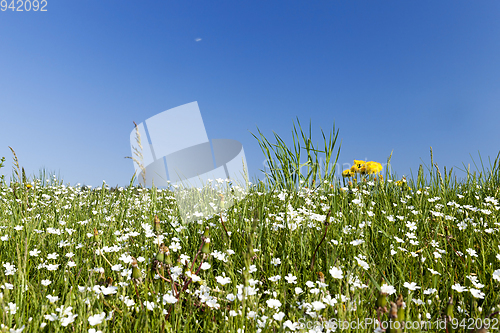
[301,253]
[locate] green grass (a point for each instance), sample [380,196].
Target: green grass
[398,232]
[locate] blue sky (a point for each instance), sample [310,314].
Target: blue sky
[395,76]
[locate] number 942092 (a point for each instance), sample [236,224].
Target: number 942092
[24,5]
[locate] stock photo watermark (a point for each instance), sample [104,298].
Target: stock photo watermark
[372,323]
[172,149]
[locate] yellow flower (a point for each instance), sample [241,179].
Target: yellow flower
[347,173]
[358,167]
[401,182]
[373,167]
[359,163]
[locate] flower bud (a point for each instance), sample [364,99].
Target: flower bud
[381,300]
[160,256]
[393,312]
[157,224]
[449,316]
[163,255]
[449,308]
[206,240]
[401,308]
[136,272]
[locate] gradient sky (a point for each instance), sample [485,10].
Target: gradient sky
[395,76]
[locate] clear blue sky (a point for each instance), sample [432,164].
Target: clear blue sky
[394,76]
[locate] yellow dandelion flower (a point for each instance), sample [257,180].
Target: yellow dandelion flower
[372,167]
[359,163]
[347,173]
[401,182]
